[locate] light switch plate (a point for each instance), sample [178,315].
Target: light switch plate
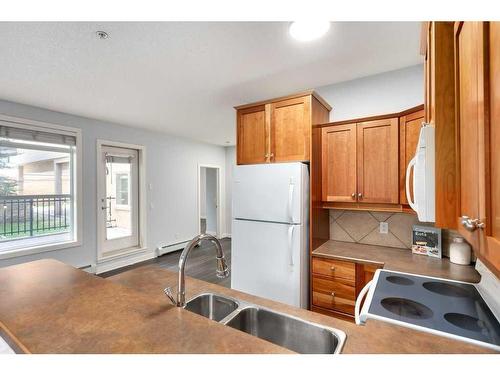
[384,227]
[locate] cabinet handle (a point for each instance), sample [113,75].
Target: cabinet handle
[353,195]
[360,195]
[472,224]
[333,294]
[332,268]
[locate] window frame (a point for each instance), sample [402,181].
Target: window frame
[77,185]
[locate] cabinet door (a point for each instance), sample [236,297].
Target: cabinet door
[468,86]
[409,131]
[377,161]
[490,235]
[291,129]
[253,135]
[339,163]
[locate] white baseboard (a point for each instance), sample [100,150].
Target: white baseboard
[128,260]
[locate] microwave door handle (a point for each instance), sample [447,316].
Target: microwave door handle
[411,165]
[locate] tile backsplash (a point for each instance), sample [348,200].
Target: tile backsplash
[363,227]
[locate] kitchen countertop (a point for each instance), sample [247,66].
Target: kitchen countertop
[394,259]
[50,307]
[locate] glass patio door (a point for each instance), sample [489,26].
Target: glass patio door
[119,200]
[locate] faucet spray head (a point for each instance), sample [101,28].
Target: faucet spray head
[222,270]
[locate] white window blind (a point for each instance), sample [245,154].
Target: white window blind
[13,134]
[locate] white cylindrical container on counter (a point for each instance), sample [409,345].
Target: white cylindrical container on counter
[460,251]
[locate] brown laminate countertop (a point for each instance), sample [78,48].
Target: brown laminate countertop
[394,259]
[49,307]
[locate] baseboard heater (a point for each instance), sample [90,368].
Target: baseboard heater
[88,268]
[171,247]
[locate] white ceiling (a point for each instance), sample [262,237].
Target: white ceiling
[184,78]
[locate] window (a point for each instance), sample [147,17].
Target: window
[38,205]
[122,189]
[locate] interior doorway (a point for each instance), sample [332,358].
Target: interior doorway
[209,200]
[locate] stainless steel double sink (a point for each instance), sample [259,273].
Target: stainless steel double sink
[290,332]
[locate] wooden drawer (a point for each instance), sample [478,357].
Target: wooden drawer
[330,302]
[343,289]
[334,268]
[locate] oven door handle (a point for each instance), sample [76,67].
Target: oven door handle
[357,306]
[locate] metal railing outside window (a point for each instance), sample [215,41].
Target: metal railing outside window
[24,216]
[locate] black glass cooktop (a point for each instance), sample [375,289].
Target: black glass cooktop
[451,307]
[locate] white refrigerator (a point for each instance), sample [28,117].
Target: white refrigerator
[269,247]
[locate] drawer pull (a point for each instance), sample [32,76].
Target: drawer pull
[333,294]
[332,268]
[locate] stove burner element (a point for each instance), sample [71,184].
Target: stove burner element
[406,308]
[399,280]
[465,322]
[446,289]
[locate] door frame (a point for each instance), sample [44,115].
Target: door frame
[218,233]
[141,170]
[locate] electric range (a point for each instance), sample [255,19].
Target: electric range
[444,307]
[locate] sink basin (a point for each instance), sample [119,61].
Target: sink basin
[212,306]
[292,333]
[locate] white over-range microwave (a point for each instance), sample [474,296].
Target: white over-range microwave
[424,181]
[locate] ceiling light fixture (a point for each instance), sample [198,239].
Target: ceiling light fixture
[306,31]
[102,34]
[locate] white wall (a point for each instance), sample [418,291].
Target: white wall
[172,173]
[388,92]
[211,200]
[230,165]
[203,193]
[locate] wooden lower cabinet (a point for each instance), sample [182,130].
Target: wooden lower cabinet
[336,284]
[334,268]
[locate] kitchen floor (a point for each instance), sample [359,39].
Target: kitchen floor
[200,265]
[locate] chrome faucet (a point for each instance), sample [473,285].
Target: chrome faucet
[222,270]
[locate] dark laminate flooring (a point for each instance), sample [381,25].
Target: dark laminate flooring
[200,265]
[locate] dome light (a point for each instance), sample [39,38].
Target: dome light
[306,31]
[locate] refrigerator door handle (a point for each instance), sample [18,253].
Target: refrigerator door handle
[290,201]
[291,228]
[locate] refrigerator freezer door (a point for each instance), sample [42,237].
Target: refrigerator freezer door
[270,260]
[271,192]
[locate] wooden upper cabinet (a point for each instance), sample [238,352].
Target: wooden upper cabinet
[490,237]
[338,151]
[438,47]
[279,130]
[409,132]
[291,129]
[253,135]
[377,161]
[478,98]
[360,162]
[468,79]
